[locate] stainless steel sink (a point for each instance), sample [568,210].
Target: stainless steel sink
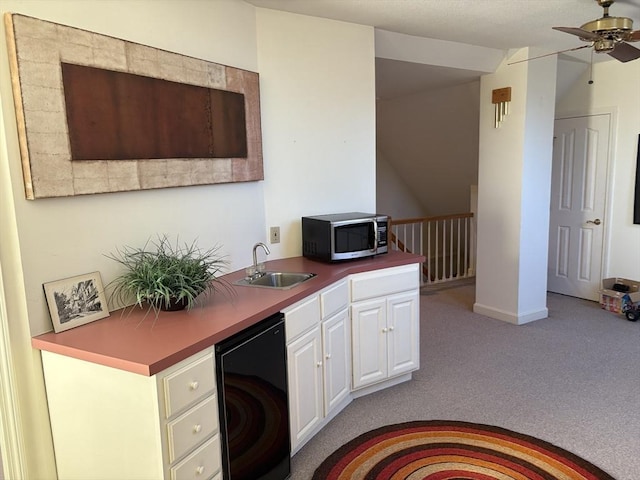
[281,280]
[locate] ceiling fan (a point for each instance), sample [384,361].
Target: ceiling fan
[608,35]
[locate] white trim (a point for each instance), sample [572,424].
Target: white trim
[11,442]
[516,319]
[12,435]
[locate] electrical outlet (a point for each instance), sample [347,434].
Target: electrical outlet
[274,235]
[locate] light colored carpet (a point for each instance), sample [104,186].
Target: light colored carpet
[572,379]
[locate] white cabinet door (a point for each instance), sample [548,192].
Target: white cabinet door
[403,323]
[304,362]
[369,326]
[336,341]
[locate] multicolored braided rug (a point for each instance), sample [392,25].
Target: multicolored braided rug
[450,450]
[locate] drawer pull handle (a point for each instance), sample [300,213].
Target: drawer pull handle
[200,470]
[197,428]
[194,385]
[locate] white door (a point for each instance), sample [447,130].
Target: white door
[403,326]
[336,341]
[577,217]
[304,362]
[369,324]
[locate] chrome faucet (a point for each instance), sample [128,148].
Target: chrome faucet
[257,273]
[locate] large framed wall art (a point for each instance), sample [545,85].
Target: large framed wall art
[99,114]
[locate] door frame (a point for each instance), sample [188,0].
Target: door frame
[11,443]
[12,430]
[608,185]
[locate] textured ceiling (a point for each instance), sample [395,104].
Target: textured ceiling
[500,24]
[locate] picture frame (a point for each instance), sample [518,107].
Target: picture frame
[49,166]
[76,301]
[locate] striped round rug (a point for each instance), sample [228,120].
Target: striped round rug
[450,450]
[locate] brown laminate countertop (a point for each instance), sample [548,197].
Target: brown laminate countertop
[135,340]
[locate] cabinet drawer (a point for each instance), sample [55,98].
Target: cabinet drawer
[301,316]
[190,428]
[384,282]
[202,463]
[189,384]
[334,299]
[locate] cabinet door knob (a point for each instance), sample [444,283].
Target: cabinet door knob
[197,428]
[319,364]
[194,385]
[391,329]
[327,356]
[384,330]
[200,470]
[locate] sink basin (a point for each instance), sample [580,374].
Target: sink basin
[281,280]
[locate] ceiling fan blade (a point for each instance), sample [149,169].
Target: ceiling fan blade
[578,32]
[625,52]
[549,54]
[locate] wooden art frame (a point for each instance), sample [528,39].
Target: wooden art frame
[76,301]
[37,50]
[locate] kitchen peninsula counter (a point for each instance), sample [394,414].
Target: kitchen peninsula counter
[135,340]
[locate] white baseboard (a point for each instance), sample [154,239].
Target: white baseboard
[516,319]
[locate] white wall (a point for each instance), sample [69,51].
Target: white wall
[431,139]
[50,239]
[513,192]
[536,190]
[62,237]
[317,81]
[616,89]
[317,88]
[393,196]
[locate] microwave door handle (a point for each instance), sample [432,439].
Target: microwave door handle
[375,236]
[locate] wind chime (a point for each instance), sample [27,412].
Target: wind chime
[501,99]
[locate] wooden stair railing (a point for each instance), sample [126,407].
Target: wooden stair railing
[448,244]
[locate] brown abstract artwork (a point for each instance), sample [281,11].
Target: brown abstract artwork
[98,114]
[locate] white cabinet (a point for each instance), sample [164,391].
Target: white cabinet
[319,360]
[109,423]
[336,348]
[369,322]
[304,358]
[357,335]
[385,324]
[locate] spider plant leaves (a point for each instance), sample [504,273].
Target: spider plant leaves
[162,273]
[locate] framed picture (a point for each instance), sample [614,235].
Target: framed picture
[76,301]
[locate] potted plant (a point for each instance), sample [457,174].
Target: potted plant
[166,276]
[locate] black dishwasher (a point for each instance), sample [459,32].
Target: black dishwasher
[251,370]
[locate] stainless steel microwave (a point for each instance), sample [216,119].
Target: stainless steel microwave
[344,236]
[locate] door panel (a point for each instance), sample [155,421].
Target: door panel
[368,321]
[403,330]
[576,227]
[304,359]
[336,338]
